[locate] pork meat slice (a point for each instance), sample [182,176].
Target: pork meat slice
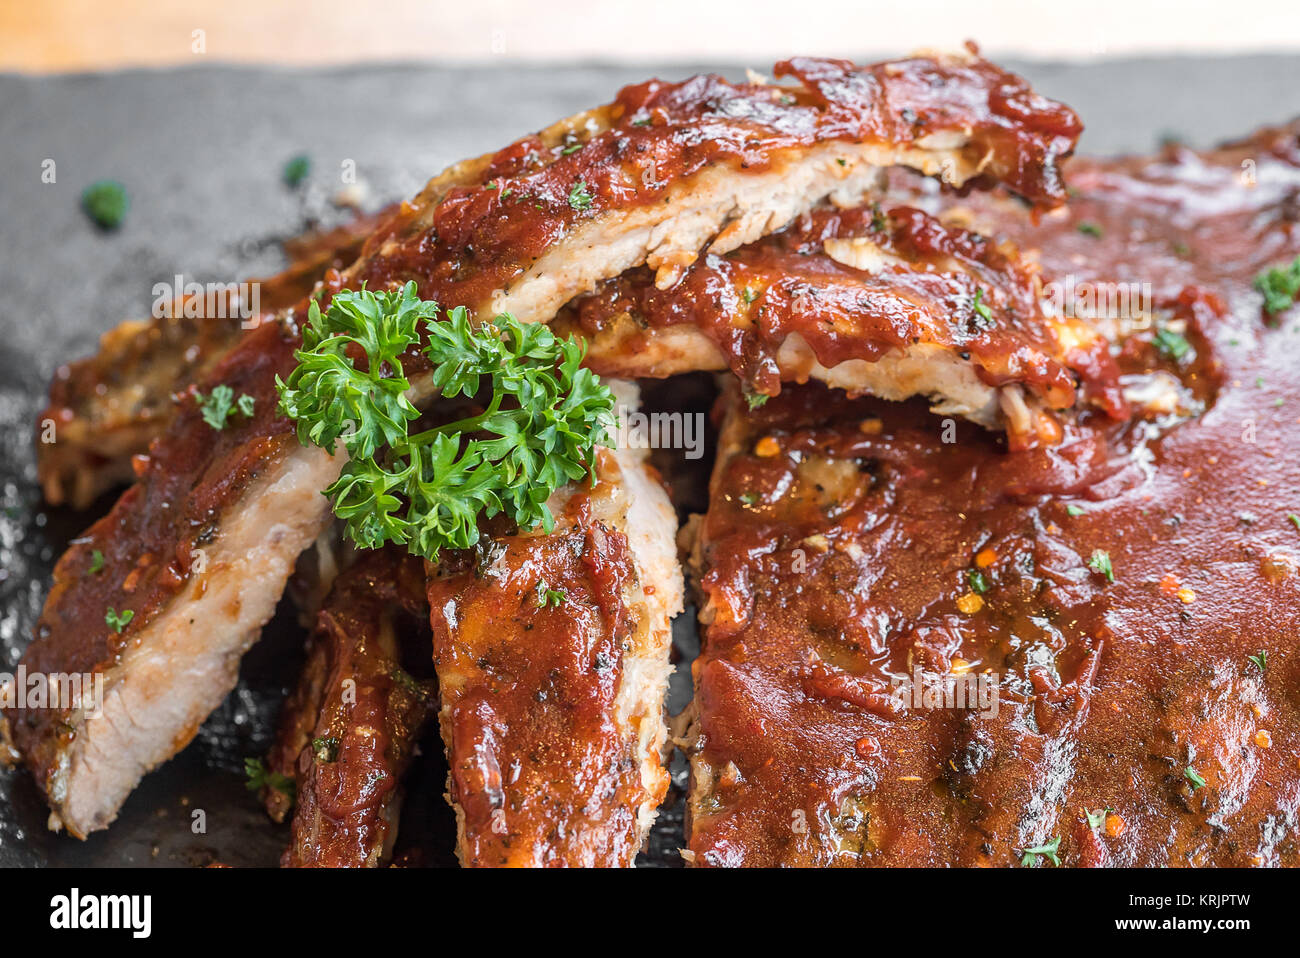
[349,730]
[552,660]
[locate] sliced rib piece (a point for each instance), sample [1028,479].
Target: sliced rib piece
[197,552]
[349,730]
[107,408]
[552,661]
[889,303]
[653,177]
[669,169]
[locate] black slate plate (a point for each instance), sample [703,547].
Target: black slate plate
[201,152]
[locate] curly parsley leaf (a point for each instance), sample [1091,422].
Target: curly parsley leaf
[329,397]
[428,491]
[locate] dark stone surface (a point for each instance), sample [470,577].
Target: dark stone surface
[201,152]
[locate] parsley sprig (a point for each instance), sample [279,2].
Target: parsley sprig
[427,491]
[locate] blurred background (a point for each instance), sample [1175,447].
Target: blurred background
[81,35]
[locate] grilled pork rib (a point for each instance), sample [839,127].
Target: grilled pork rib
[668,170]
[199,549]
[889,303]
[552,660]
[107,408]
[349,730]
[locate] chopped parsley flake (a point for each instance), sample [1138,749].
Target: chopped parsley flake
[1098,818]
[1259,661]
[117,621]
[1171,345]
[1074,510]
[1280,286]
[106,203]
[1294,519]
[1029,858]
[296,170]
[755,400]
[1193,776]
[579,196]
[217,406]
[981,309]
[978,583]
[1090,229]
[1099,562]
[549,598]
[325,749]
[259,777]
[96,562]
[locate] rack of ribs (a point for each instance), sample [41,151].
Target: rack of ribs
[199,549]
[918,652]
